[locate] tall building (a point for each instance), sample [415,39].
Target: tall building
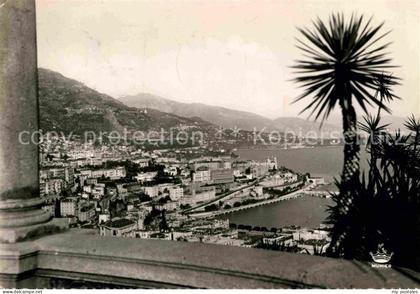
[69,207]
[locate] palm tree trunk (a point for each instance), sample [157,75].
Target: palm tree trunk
[351,166]
[349,177]
[374,146]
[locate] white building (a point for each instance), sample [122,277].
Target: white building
[237,173]
[259,169]
[273,182]
[161,189]
[152,191]
[146,177]
[202,174]
[68,207]
[112,173]
[53,186]
[305,235]
[172,170]
[142,162]
[104,217]
[176,193]
[98,191]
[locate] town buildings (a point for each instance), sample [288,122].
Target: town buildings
[126,192]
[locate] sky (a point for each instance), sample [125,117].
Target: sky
[235,54]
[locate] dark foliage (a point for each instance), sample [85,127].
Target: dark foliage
[343,64]
[211,207]
[384,206]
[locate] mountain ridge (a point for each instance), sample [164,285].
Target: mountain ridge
[68,105]
[215,114]
[226,117]
[231,118]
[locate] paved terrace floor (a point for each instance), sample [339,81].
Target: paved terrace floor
[80,255]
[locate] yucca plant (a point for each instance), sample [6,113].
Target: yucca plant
[375,132]
[342,65]
[373,128]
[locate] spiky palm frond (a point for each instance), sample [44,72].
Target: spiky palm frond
[343,61]
[412,124]
[373,128]
[372,125]
[384,83]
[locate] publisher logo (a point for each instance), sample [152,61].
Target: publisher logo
[381,258]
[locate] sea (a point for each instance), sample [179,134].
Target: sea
[324,162]
[305,211]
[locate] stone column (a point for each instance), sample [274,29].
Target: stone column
[21,216]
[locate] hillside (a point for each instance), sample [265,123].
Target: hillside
[221,116]
[225,117]
[70,106]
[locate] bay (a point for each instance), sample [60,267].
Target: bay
[305,211]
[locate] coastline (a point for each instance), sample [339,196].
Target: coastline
[291,195]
